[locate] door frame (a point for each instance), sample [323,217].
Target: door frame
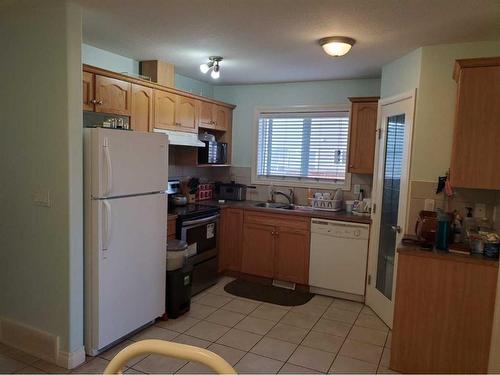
[381,305]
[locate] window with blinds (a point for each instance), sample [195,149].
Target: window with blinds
[308,146]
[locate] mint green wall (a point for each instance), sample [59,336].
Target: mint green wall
[194,86]
[111,61]
[401,75]
[248,97]
[108,60]
[41,267]
[435,111]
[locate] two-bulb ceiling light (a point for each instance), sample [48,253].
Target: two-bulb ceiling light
[214,64]
[337,45]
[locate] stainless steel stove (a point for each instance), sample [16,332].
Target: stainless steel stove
[197,224]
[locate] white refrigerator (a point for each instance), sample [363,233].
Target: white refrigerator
[125,215]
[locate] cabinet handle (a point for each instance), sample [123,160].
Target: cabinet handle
[273,233]
[99,102]
[277,234]
[93,101]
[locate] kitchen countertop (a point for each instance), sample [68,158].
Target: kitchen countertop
[446,255]
[250,205]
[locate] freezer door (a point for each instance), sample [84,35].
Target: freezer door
[126,162]
[126,277]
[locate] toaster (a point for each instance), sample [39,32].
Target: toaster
[233,192]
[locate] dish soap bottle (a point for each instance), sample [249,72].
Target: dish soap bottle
[443,231]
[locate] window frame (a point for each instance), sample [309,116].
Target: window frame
[293,181]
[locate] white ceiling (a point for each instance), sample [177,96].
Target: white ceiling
[276,40]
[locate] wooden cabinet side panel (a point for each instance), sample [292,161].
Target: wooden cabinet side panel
[443,316]
[114,94]
[141,115]
[164,110]
[258,250]
[474,161]
[362,137]
[292,255]
[171,228]
[87,91]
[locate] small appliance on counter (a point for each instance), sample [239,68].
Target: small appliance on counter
[232,191]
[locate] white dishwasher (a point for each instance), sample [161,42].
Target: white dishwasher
[337,264]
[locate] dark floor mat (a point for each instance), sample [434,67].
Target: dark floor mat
[267,293]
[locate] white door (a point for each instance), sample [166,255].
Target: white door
[390,195]
[127,162]
[128,265]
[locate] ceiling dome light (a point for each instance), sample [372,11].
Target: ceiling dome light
[212,64]
[336,45]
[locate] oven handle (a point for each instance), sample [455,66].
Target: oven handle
[200,221]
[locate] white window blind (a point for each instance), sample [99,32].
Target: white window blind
[304,146]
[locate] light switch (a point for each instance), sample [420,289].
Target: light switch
[429,205]
[41,198]
[479,210]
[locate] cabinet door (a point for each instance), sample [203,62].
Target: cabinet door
[88,91]
[186,114]
[258,250]
[141,116]
[222,117]
[292,255]
[362,137]
[112,95]
[474,159]
[164,110]
[231,239]
[206,115]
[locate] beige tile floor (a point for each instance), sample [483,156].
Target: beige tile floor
[325,335]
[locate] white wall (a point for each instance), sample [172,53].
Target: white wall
[41,268]
[248,97]
[401,75]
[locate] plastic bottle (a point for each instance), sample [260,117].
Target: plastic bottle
[443,231]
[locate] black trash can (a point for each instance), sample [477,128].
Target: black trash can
[179,280]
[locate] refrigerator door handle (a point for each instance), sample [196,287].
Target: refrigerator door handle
[109,168]
[107,225]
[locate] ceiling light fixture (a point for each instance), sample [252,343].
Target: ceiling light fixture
[337,45]
[212,64]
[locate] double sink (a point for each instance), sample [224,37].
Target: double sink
[281,206]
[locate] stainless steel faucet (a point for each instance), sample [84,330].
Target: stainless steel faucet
[288,196]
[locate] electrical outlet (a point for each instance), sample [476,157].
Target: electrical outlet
[429,205]
[41,198]
[479,210]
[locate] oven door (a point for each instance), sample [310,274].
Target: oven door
[201,237]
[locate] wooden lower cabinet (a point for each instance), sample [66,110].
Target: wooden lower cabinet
[171,227]
[443,313]
[230,239]
[291,259]
[258,250]
[276,246]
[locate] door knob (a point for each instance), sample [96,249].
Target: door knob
[396,228]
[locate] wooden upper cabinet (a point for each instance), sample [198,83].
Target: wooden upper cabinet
[231,239]
[222,117]
[141,116]
[88,91]
[164,110]
[291,261]
[207,115]
[362,134]
[112,95]
[258,250]
[186,114]
[474,159]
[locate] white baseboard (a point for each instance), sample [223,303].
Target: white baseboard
[71,359]
[337,294]
[41,344]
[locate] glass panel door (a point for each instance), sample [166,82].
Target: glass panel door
[394,150]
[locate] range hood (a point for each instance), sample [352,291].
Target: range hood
[181,138]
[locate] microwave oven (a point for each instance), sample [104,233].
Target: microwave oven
[212,153]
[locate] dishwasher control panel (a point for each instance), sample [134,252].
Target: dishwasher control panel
[340,229]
